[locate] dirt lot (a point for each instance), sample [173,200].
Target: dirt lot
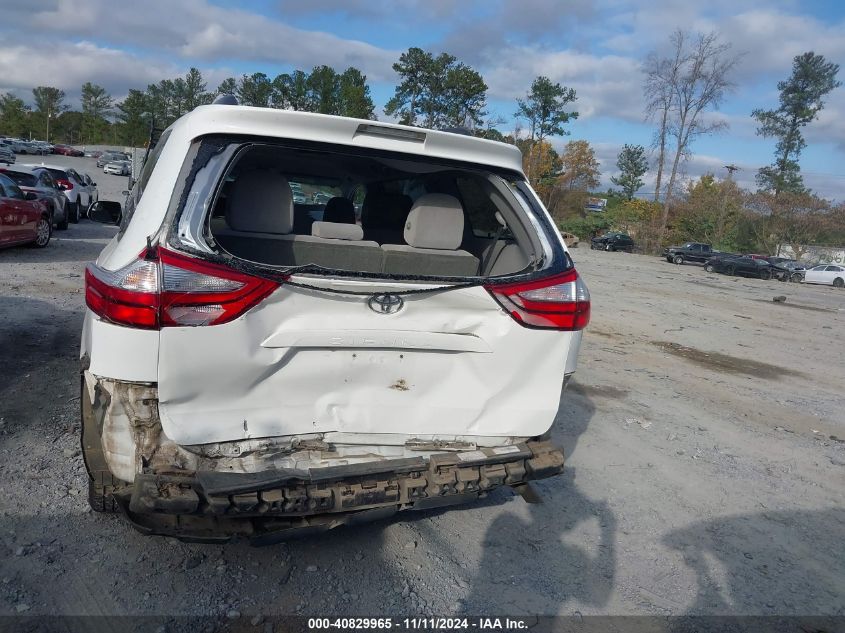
[704,436]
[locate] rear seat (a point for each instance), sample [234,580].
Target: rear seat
[341,245]
[260,218]
[433,231]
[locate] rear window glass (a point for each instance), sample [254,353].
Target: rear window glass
[24,180]
[368,212]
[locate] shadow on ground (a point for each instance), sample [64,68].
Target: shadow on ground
[539,557]
[767,563]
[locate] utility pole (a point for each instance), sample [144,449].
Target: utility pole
[49,114]
[723,203]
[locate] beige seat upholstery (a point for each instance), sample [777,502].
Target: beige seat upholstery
[433,232]
[260,217]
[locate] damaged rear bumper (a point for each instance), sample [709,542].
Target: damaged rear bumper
[274,505]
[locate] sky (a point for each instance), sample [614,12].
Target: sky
[594,46]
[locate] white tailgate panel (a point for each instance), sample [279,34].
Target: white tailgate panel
[447,364]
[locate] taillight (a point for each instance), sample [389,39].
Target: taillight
[561,302]
[66,184]
[172,290]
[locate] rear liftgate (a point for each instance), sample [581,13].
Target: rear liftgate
[272,506]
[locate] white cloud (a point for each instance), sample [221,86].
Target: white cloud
[610,85]
[68,66]
[197,31]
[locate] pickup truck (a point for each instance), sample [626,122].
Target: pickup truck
[689,252]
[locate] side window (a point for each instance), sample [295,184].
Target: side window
[479,208]
[138,189]
[13,191]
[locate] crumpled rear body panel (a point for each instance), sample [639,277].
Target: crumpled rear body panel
[448,364]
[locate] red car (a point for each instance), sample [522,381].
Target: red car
[24,219]
[67,150]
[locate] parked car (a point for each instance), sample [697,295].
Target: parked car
[236,368]
[17,145]
[7,154]
[24,219]
[826,274]
[743,266]
[118,167]
[73,186]
[689,252]
[571,240]
[42,147]
[28,147]
[787,269]
[612,241]
[107,157]
[67,150]
[39,181]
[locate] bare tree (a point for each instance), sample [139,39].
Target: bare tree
[661,75]
[692,80]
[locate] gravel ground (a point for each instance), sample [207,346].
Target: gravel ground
[705,472]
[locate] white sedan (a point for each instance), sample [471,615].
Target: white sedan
[827,274]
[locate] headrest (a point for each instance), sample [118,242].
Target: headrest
[436,221]
[260,201]
[385,210]
[337,231]
[339,210]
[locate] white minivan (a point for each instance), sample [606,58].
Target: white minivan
[257,366]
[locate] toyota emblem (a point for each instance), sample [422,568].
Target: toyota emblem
[385,303]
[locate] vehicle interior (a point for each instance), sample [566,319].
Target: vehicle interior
[365,213]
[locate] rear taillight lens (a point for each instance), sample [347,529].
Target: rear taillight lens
[561,302]
[64,183]
[172,290]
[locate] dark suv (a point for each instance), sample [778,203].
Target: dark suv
[613,242]
[689,252]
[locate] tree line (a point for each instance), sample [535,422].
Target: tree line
[682,90]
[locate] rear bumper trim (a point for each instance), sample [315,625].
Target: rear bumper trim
[215,506]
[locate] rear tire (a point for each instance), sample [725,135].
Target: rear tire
[708,268]
[839,283]
[43,232]
[730,270]
[608,248]
[678,259]
[766,275]
[74,212]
